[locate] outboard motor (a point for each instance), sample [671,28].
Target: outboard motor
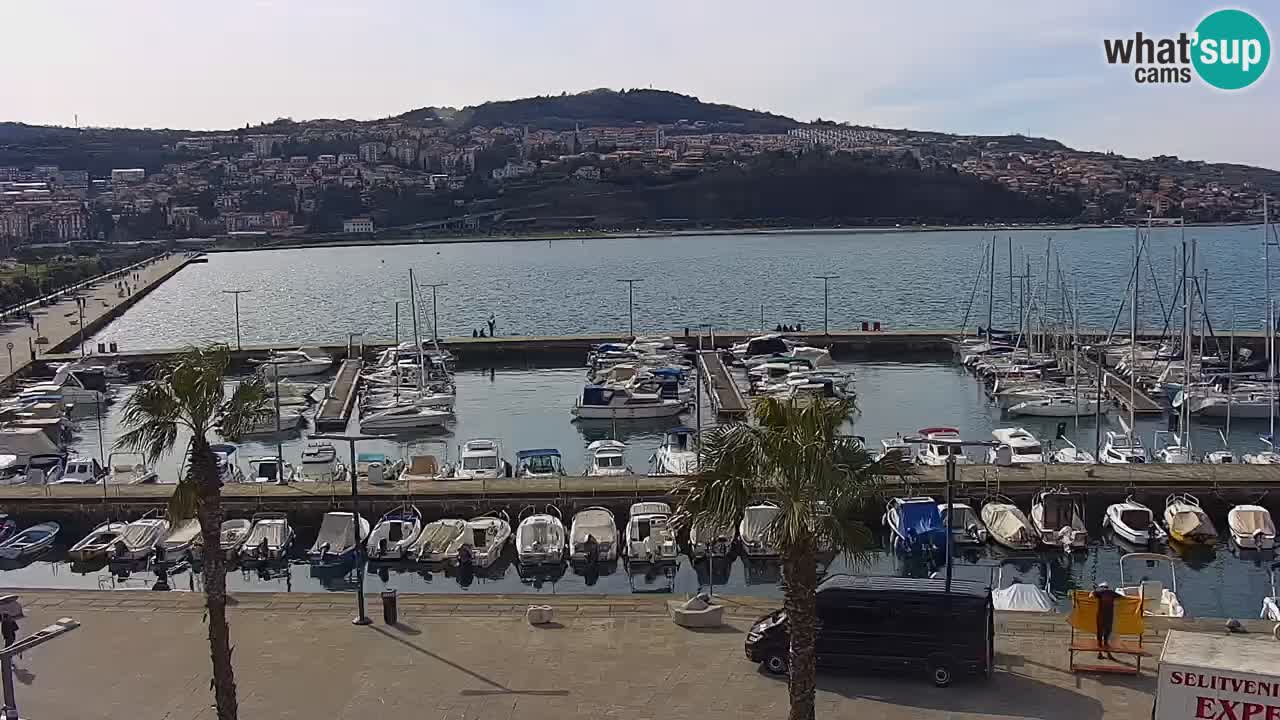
[324,551]
[375,472]
[382,547]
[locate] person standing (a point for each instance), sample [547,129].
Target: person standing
[9,628]
[1106,598]
[493,323]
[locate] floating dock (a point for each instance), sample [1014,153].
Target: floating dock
[1117,388]
[726,396]
[340,398]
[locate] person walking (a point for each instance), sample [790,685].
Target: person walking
[1106,598]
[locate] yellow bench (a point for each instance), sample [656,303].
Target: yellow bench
[1128,623]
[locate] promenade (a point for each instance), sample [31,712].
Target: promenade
[59,324]
[297,656]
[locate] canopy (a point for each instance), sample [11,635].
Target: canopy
[597,522]
[1249,519]
[371,457]
[538,452]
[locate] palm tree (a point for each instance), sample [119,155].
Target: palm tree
[822,481]
[188,396]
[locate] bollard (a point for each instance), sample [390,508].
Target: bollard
[864,326]
[876,326]
[389,609]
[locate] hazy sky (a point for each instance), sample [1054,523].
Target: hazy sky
[972,66]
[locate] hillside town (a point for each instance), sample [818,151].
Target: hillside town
[357,178]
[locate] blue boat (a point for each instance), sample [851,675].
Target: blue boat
[916,524]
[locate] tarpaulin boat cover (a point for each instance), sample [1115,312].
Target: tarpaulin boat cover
[270,528]
[437,536]
[597,523]
[337,529]
[1005,521]
[1247,521]
[756,521]
[1188,521]
[920,516]
[1023,597]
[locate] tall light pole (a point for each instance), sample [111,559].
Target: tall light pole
[826,298]
[435,318]
[237,294]
[631,308]
[361,618]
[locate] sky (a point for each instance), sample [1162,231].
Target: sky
[976,66]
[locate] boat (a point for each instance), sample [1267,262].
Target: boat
[1251,527]
[1057,516]
[24,442]
[939,443]
[1007,525]
[8,527]
[42,469]
[1157,600]
[915,524]
[1069,455]
[140,538]
[1167,452]
[1123,448]
[439,398]
[231,538]
[81,471]
[540,538]
[1186,522]
[224,456]
[33,540]
[649,538]
[269,537]
[598,524]
[965,523]
[1017,446]
[293,363]
[97,543]
[336,543]
[74,385]
[539,463]
[320,463]
[177,542]
[1056,406]
[716,542]
[756,530]
[268,470]
[395,534]
[375,467]
[607,458]
[896,445]
[486,536]
[404,417]
[1020,596]
[287,420]
[433,543]
[1132,521]
[481,459]
[1264,457]
[611,403]
[676,455]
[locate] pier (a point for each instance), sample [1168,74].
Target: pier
[335,411]
[726,396]
[1117,388]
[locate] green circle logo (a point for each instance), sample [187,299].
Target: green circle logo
[1232,49]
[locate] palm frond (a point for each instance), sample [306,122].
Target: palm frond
[184,500]
[249,405]
[152,415]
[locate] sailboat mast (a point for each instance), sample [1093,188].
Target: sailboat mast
[1133,329]
[1186,359]
[1271,369]
[1075,362]
[1266,259]
[417,338]
[1231,368]
[991,291]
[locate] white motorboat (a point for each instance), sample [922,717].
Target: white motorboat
[1264,457]
[1007,525]
[433,543]
[404,417]
[716,542]
[438,399]
[376,467]
[1220,457]
[269,470]
[1157,600]
[1186,522]
[966,524]
[609,403]
[320,463]
[269,538]
[1134,522]
[1057,516]
[74,385]
[906,453]
[541,539]
[24,442]
[177,542]
[676,455]
[1251,527]
[1170,452]
[598,524]
[1017,446]
[485,537]
[294,363]
[939,443]
[337,541]
[915,523]
[224,456]
[395,534]
[82,471]
[755,530]
[539,463]
[231,539]
[1057,406]
[1122,448]
[607,458]
[649,537]
[140,538]
[97,543]
[42,469]
[34,540]
[481,459]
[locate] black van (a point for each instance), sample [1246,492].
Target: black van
[890,623]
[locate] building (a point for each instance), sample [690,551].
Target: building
[372,152]
[358,225]
[125,176]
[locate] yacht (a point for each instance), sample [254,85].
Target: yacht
[1186,522]
[1057,516]
[270,470]
[539,463]
[939,443]
[1170,452]
[435,398]
[97,543]
[336,542]
[269,537]
[966,524]
[607,403]
[1057,406]
[404,417]
[433,543]
[607,458]
[82,471]
[1157,600]
[1251,527]
[915,524]
[596,523]
[129,469]
[1123,448]
[481,459]
[177,542]
[294,363]
[541,539]
[1132,521]
[676,455]
[395,534]
[1016,446]
[649,539]
[140,538]
[320,463]
[755,530]
[76,386]
[1007,525]
[32,541]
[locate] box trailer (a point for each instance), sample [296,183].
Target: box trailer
[1227,677]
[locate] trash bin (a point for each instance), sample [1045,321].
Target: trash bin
[390,615]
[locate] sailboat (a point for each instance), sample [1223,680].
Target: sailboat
[1269,456]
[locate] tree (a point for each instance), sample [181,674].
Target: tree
[822,480]
[188,396]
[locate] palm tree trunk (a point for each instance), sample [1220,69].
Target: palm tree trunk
[203,470]
[801,574]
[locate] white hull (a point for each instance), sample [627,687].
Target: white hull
[426,418]
[300,369]
[1039,409]
[656,410]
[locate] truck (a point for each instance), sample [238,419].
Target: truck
[1212,677]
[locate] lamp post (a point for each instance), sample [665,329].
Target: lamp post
[826,297]
[697,438]
[631,309]
[237,294]
[435,318]
[361,618]
[80,310]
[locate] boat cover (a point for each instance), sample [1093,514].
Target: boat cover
[756,521]
[1188,521]
[337,529]
[1059,510]
[1022,597]
[437,536]
[138,535]
[596,522]
[538,534]
[920,517]
[1249,520]
[1005,521]
[272,529]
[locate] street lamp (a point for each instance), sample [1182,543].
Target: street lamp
[361,618]
[237,294]
[631,309]
[826,297]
